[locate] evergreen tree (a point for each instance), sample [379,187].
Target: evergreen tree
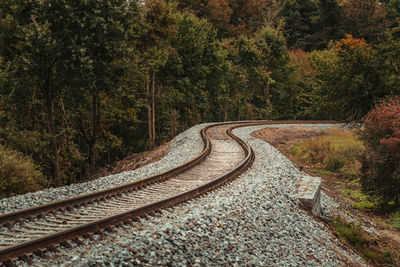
[301,17]
[330,23]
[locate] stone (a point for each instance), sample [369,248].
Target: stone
[309,193]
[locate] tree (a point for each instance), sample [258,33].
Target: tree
[392,10]
[277,77]
[306,83]
[262,82]
[330,23]
[301,17]
[161,26]
[236,17]
[194,75]
[65,57]
[243,55]
[365,19]
[323,105]
[270,12]
[381,163]
[33,62]
[350,80]
[389,59]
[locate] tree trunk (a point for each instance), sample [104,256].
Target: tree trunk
[267,97]
[48,110]
[238,108]
[149,115]
[93,137]
[153,110]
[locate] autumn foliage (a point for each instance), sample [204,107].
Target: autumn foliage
[381,164]
[350,43]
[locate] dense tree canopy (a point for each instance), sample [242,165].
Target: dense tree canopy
[85,83]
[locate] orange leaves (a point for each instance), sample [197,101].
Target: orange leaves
[350,43]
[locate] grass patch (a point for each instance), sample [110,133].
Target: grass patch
[359,200]
[352,235]
[323,172]
[336,151]
[395,221]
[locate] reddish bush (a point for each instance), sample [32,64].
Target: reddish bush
[381,162]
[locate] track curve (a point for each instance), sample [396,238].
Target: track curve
[34,229]
[224,157]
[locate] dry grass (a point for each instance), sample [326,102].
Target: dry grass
[335,150]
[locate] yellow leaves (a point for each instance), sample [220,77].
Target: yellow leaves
[132,114]
[18,173]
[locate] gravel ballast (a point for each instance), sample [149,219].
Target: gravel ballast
[184,147]
[254,220]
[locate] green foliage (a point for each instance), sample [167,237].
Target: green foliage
[359,200]
[195,74]
[349,232]
[277,76]
[345,70]
[18,174]
[352,234]
[305,83]
[301,17]
[235,17]
[62,63]
[395,221]
[85,83]
[262,84]
[330,23]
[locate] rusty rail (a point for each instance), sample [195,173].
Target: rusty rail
[83,199]
[10,253]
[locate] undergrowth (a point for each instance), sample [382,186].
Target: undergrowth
[359,200]
[18,174]
[335,151]
[352,234]
[395,222]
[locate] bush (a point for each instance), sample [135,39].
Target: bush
[18,174]
[381,162]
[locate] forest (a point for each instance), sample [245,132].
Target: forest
[86,83]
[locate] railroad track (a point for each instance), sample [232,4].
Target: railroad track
[34,230]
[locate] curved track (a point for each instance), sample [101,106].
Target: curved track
[223,158]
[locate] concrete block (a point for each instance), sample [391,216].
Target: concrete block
[309,193]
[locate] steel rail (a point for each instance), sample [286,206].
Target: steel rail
[13,252]
[103,194]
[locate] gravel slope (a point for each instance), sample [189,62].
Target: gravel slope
[255,220]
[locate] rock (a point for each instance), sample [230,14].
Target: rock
[309,193]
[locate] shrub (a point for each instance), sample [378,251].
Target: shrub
[381,162]
[18,174]
[354,235]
